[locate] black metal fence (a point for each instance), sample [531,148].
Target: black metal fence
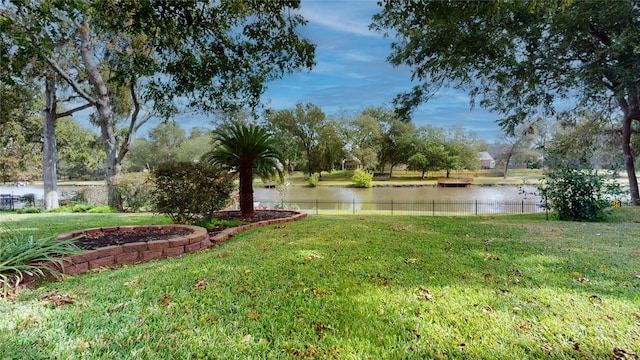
[429,208]
[9,201]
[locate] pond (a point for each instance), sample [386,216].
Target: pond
[428,199]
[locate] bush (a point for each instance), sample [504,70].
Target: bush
[94,195]
[22,255]
[313,179]
[362,179]
[577,195]
[186,190]
[136,190]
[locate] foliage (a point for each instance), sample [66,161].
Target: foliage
[312,134]
[212,223]
[313,179]
[20,132]
[522,58]
[350,288]
[246,150]
[136,190]
[84,208]
[115,58]
[577,194]
[22,254]
[186,190]
[362,179]
[79,154]
[94,195]
[104,209]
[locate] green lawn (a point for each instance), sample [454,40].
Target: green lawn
[348,287]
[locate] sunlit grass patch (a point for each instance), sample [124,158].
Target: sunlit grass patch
[353,287]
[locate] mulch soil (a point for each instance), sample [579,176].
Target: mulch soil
[99,240]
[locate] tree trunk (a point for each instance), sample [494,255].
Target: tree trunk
[105,118]
[629,111]
[246,191]
[49,171]
[628,160]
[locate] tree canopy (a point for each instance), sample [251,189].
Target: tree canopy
[521,58]
[129,58]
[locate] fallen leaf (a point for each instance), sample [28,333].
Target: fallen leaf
[200,285]
[491,257]
[57,298]
[595,298]
[410,261]
[624,354]
[246,338]
[423,294]
[487,309]
[30,320]
[165,299]
[313,257]
[253,315]
[117,306]
[131,283]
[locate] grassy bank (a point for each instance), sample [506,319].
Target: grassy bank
[349,288]
[412,178]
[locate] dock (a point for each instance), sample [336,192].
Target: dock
[455,182]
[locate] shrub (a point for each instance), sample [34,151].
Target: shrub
[578,195]
[22,254]
[362,179]
[95,195]
[313,179]
[136,190]
[185,190]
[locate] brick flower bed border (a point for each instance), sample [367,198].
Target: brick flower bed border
[138,252]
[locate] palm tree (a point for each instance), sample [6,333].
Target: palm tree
[246,150]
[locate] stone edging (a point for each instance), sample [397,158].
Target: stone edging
[138,252]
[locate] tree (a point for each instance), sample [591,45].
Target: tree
[522,58]
[20,132]
[208,55]
[246,150]
[362,137]
[305,124]
[79,155]
[584,138]
[430,154]
[522,138]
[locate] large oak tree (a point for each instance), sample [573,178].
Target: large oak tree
[522,58]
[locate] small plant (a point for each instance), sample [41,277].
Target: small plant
[313,179]
[186,190]
[22,254]
[362,179]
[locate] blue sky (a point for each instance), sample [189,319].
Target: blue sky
[352,72]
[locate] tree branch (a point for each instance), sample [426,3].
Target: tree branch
[70,112]
[63,74]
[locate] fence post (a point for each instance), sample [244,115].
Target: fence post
[476,207]
[353,206]
[433,207]
[391,206]
[317,207]
[522,206]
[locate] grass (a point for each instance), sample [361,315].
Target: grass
[348,287]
